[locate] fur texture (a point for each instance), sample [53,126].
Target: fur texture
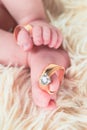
[17,111]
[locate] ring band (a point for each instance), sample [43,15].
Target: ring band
[45,77]
[27,27]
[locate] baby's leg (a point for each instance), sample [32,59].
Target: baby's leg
[10,52]
[24,11]
[41,57]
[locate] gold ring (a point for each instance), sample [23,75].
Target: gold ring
[45,77]
[27,27]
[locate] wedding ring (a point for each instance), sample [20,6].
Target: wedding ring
[45,78]
[27,27]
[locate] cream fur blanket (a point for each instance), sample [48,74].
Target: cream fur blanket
[17,111]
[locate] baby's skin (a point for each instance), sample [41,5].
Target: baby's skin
[11,53]
[29,50]
[42,33]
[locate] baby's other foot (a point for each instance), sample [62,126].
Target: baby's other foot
[44,33]
[38,33]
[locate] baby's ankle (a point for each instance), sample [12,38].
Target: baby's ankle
[28,20]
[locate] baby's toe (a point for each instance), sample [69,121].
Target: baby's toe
[40,97]
[60,40]
[46,35]
[52,105]
[54,86]
[54,39]
[37,35]
[24,40]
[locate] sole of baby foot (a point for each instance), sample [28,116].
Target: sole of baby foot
[39,58]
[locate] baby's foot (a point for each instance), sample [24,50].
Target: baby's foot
[42,33]
[39,58]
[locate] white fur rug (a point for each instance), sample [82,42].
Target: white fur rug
[17,111]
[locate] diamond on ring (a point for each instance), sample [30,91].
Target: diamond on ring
[45,79]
